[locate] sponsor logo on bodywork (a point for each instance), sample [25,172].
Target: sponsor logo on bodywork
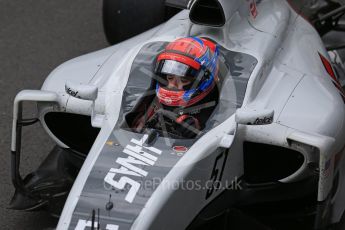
[263,121]
[71,92]
[331,73]
[180,149]
[137,155]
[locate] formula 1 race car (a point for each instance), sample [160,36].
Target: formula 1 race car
[268,155]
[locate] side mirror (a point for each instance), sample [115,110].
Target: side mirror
[248,116]
[84,92]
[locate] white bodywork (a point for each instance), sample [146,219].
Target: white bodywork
[289,79]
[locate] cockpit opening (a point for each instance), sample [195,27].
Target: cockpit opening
[184,88]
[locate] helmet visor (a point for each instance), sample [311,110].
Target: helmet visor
[171,67]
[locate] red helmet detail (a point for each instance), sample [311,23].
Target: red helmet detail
[188,46]
[175,98]
[186,50]
[170,98]
[192,57]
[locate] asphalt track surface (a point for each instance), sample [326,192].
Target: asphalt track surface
[35,37]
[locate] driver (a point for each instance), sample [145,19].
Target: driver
[185,87]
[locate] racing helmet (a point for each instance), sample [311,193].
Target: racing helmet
[191,58]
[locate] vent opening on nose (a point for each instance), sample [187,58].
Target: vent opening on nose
[207,12]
